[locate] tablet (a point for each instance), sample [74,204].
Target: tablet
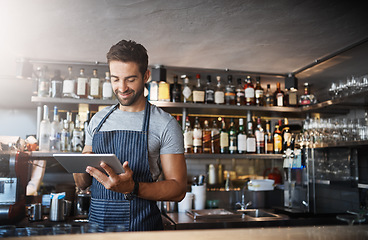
[77,163]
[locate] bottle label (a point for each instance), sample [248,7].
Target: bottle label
[68,87]
[188,139]
[198,96]
[95,87]
[81,86]
[187,92]
[210,95]
[305,102]
[224,139]
[77,141]
[232,144]
[219,97]
[197,137]
[277,143]
[249,92]
[280,99]
[164,92]
[153,91]
[260,138]
[251,145]
[259,93]
[106,90]
[242,142]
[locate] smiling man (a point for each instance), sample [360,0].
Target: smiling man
[147,140]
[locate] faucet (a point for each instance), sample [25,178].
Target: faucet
[243,205]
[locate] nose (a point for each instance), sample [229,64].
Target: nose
[122,86]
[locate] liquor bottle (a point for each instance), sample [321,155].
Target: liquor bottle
[277,139]
[178,120]
[224,138]
[242,137]
[152,90]
[57,85]
[187,91]
[198,91]
[249,92]
[69,118]
[175,90]
[43,82]
[215,138]
[259,92]
[107,88]
[268,98]
[230,91]
[65,137]
[45,130]
[278,96]
[307,98]
[286,135]
[82,85]
[219,92]
[197,137]
[77,144]
[94,86]
[260,137]
[206,139]
[69,85]
[233,145]
[55,132]
[293,97]
[251,139]
[163,91]
[188,137]
[268,139]
[209,92]
[240,94]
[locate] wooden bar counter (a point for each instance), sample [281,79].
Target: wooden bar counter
[320,232]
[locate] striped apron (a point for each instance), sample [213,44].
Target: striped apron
[109,208]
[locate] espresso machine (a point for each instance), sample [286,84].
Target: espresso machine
[14,176]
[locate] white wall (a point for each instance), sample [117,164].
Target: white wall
[18,122]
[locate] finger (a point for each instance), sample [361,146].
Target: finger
[108,169]
[126,167]
[97,174]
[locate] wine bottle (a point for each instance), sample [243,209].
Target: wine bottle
[224,138]
[188,137]
[197,137]
[215,138]
[209,92]
[206,138]
[233,145]
[260,138]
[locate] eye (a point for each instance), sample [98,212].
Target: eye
[131,79]
[114,79]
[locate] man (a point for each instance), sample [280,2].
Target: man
[147,141]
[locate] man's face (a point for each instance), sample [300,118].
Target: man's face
[127,82]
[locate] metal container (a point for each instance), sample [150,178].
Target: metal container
[59,209]
[169,207]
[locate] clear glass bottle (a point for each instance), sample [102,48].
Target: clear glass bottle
[107,88]
[65,137]
[94,86]
[278,96]
[277,139]
[152,90]
[197,137]
[233,145]
[224,138]
[163,91]
[77,141]
[249,92]
[268,97]
[219,92]
[43,82]
[215,138]
[188,137]
[230,91]
[45,130]
[55,132]
[240,94]
[69,85]
[293,97]
[286,135]
[57,85]
[258,92]
[187,90]
[69,118]
[206,139]
[175,90]
[209,92]
[307,98]
[82,85]
[260,137]
[242,137]
[198,91]
[251,139]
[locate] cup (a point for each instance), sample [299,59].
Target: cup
[199,192]
[35,212]
[186,203]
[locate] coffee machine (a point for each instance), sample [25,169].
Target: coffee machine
[14,176]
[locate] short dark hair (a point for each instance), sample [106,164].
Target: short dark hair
[129,51]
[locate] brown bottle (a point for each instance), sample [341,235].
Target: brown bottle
[278,96]
[206,139]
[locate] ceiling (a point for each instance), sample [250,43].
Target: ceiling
[250,35]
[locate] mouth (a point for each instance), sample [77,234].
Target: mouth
[125,94]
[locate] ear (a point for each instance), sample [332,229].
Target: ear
[147,76]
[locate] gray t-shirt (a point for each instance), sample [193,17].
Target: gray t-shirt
[164,133]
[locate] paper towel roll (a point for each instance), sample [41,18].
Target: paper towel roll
[199,192]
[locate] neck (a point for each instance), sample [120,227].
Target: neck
[137,106]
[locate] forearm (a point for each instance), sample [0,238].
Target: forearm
[167,190]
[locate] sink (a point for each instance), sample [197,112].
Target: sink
[218,213]
[258,213]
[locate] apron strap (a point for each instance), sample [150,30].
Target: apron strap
[147,112]
[106,116]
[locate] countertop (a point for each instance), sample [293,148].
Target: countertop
[326,232]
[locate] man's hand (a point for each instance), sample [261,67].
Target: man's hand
[122,183]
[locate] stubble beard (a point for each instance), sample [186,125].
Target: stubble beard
[132,99]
